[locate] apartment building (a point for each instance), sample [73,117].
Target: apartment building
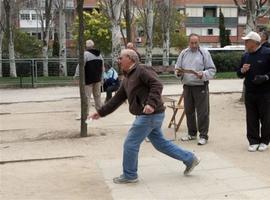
[202,18]
[30,15]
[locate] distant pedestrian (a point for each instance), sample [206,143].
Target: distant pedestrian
[264,39]
[111,81]
[142,88]
[195,67]
[255,68]
[93,68]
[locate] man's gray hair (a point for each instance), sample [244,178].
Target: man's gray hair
[131,54]
[89,44]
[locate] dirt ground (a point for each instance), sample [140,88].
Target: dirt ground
[43,157]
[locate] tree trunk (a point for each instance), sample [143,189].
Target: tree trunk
[114,12]
[251,15]
[62,39]
[45,32]
[166,32]
[8,9]
[11,52]
[84,103]
[45,61]
[149,33]
[116,42]
[1,38]
[128,21]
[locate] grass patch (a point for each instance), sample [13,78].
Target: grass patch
[41,81]
[226,75]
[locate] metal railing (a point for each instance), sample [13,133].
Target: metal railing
[30,72]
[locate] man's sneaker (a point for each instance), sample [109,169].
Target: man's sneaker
[188,138]
[190,167]
[253,147]
[202,141]
[122,180]
[262,147]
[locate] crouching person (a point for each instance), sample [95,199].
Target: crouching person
[111,82]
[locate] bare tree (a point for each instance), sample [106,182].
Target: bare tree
[254,10]
[146,10]
[164,8]
[62,26]
[46,24]
[112,9]
[81,68]
[9,7]
[44,17]
[128,13]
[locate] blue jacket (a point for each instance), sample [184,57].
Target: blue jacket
[259,65]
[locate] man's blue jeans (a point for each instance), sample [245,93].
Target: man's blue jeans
[149,126]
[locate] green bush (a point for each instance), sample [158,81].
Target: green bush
[227,61]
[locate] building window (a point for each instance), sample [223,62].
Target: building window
[34,16]
[210,12]
[25,16]
[209,31]
[69,4]
[228,32]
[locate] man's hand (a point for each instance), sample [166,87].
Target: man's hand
[94,116]
[245,68]
[148,109]
[199,75]
[178,72]
[259,79]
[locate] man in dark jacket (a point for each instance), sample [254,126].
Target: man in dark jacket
[255,67]
[264,39]
[142,89]
[93,73]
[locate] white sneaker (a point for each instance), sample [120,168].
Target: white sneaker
[253,147]
[262,147]
[202,141]
[188,138]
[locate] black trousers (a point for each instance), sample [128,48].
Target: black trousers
[110,90]
[196,105]
[258,118]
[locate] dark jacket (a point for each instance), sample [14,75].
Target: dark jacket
[259,65]
[266,44]
[93,66]
[141,87]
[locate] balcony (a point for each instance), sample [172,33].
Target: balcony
[210,21]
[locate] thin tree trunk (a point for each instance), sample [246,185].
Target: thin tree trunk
[8,10]
[1,40]
[45,60]
[166,33]
[116,42]
[62,39]
[84,103]
[11,51]
[149,33]
[128,21]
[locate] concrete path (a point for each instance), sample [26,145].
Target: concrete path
[57,93]
[83,168]
[213,178]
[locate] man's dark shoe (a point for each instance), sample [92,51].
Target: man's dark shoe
[122,180]
[190,167]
